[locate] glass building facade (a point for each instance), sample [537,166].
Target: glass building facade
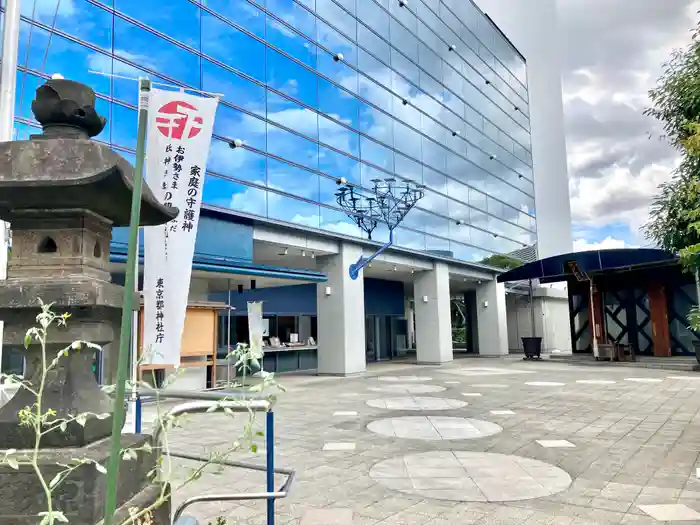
[424,90]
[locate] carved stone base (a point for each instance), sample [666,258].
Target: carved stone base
[82,496]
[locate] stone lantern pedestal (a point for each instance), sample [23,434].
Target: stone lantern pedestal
[63,193]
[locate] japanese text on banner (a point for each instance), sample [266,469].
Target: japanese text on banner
[179,134]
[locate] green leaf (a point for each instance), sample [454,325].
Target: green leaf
[81,419]
[13,463]
[27,339]
[63,426]
[54,481]
[99,468]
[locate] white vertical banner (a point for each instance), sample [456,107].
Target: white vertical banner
[180,127]
[255,326]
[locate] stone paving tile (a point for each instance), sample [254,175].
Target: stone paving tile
[637,444]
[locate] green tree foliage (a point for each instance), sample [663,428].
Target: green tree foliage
[676,104]
[674,222]
[502,261]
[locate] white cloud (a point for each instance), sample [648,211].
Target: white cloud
[582,245]
[614,53]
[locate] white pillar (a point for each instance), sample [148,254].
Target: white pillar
[431,291]
[410,329]
[491,318]
[8,86]
[341,315]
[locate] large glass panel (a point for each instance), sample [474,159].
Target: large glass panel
[234,88]
[232,47]
[339,137]
[338,103]
[78,18]
[281,36]
[239,12]
[288,146]
[124,123]
[374,16]
[371,151]
[335,42]
[374,44]
[407,68]
[232,195]
[338,71]
[179,19]
[236,163]
[376,123]
[291,78]
[291,115]
[408,168]
[145,49]
[338,18]
[403,40]
[233,124]
[429,61]
[409,239]
[406,140]
[338,166]
[337,221]
[284,208]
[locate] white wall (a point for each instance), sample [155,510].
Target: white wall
[532,27]
[551,321]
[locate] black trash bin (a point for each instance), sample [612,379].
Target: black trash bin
[532,347]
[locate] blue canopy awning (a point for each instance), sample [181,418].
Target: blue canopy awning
[557,268]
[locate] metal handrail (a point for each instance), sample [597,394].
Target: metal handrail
[281,493]
[211,402]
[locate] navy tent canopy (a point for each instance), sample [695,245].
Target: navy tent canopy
[557,268]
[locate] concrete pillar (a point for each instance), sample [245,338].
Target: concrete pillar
[431,291]
[491,319]
[341,315]
[410,329]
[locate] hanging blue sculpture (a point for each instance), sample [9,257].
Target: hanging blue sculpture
[388,202]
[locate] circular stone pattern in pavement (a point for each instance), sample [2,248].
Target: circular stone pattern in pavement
[416,403]
[404,379]
[433,428]
[408,389]
[470,476]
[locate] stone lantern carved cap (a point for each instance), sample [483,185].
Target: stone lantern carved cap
[63,169]
[64,103]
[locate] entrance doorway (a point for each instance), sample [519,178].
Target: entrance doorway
[380,337]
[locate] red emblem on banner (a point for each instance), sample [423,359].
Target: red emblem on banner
[179,120]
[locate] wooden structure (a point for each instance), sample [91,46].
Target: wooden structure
[629,301]
[198,346]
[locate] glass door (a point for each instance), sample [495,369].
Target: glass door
[370,339]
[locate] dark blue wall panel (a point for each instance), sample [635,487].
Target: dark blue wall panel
[284,300]
[217,239]
[381,298]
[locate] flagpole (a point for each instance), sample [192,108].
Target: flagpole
[127,307]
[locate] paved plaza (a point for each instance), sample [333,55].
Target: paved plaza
[478,441]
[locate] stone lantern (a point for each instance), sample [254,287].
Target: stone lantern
[63,193]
